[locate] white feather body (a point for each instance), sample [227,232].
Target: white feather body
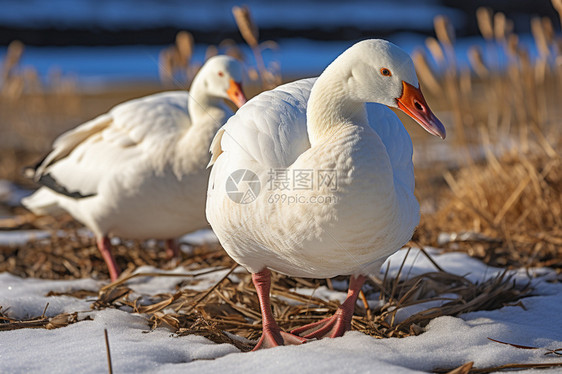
[144,161]
[373,210]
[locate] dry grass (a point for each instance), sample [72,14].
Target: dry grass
[513,204]
[41,322]
[232,307]
[73,255]
[506,96]
[505,188]
[229,310]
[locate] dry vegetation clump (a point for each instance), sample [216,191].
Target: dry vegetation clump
[232,307]
[41,322]
[505,199]
[507,212]
[74,256]
[71,254]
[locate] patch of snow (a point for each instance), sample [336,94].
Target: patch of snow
[80,348]
[11,194]
[25,298]
[20,237]
[459,263]
[404,313]
[152,285]
[199,237]
[323,293]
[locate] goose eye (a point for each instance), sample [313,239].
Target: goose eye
[221,73]
[386,72]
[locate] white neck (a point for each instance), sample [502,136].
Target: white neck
[330,108]
[208,113]
[200,101]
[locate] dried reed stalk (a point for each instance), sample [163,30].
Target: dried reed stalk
[512,45]
[49,323]
[175,61]
[425,72]
[249,30]
[108,352]
[463,369]
[184,45]
[11,60]
[246,25]
[537,28]
[435,49]
[444,31]
[500,27]
[476,59]
[484,19]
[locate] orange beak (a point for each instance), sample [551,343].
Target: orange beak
[235,93]
[413,104]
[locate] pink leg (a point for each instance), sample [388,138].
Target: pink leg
[104,245]
[272,336]
[172,249]
[340,322]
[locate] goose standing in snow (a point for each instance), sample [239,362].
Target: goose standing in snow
[344,224]
[139,171]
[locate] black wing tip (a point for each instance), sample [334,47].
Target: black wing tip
[31,170]
[48,181]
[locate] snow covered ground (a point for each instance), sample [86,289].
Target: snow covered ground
[447,343]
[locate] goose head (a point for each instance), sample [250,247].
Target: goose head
[221,77]
[381,72]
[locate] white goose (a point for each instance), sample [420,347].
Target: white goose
[347,225]
[139,171]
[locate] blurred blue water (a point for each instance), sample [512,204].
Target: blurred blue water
[297,57]
[214,14]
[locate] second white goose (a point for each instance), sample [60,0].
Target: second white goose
[139,171]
